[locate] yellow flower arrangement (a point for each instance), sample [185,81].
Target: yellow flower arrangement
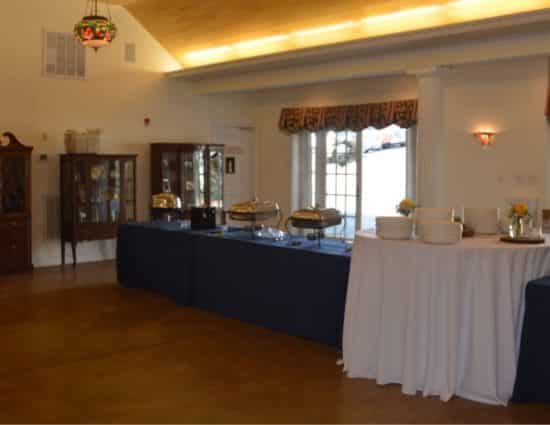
[406,206]
[519,210]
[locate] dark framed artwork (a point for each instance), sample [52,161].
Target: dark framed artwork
[230,165]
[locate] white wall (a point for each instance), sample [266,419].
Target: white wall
[116,97]
[508,97]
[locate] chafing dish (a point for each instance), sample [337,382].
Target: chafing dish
[166,205]
[255,211]
[166,201]
[314,218]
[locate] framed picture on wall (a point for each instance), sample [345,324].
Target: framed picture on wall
[230,165]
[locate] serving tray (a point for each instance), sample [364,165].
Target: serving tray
[525,241]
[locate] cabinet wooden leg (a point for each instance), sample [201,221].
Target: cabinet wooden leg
[73,245]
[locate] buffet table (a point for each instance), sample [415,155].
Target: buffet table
[300,290]
[443,320]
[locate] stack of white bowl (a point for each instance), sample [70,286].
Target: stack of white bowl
[441,232]
[394,228]
[484,221]
[426,215]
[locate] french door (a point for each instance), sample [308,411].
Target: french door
[362,174]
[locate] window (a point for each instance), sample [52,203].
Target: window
[363,175]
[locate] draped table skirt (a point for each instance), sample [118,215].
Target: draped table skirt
[443,320]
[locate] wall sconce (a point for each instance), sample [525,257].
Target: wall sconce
[485,138]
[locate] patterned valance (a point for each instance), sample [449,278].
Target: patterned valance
[350,117]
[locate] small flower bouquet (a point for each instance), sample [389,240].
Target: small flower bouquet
[518,214]
[406,207]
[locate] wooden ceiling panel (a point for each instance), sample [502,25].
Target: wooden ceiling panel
[188,25]
[184,26]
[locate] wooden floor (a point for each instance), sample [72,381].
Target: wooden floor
[74,347]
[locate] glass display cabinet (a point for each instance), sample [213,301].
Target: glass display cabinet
[98,192]
[15,206]
[193,172]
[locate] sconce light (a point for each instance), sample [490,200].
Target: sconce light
[485,138]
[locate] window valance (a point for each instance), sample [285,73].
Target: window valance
[350,117]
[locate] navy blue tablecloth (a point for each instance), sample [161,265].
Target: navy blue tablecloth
[157,257]
[533,376]
[297,289]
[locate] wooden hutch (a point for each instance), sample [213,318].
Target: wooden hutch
[15,206]
[98,192]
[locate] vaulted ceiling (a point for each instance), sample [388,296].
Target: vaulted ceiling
[209,31]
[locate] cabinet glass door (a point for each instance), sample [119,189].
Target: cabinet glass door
[12,185]
[83,205]
[193,183]
[187,184]
[130,190]
[215,159]
[105,188]
[170,169]
[199,177]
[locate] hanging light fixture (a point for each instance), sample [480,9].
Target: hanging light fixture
[95,30]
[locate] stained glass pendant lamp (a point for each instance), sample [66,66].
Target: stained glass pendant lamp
[94,30]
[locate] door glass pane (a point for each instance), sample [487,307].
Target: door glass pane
[341,180]
[216,177]
[130,190]
[12,185]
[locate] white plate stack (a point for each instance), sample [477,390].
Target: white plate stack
[484,221]
[426,215]
[441,232]
[394,228]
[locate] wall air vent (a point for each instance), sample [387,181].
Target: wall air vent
[63,56]
[130,53]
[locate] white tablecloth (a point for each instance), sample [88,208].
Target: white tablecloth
[443,320]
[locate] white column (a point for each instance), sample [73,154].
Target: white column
[431,148]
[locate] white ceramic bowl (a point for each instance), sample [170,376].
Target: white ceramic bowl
[484,221]
[441,232]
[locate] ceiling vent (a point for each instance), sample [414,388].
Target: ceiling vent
[63,56]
